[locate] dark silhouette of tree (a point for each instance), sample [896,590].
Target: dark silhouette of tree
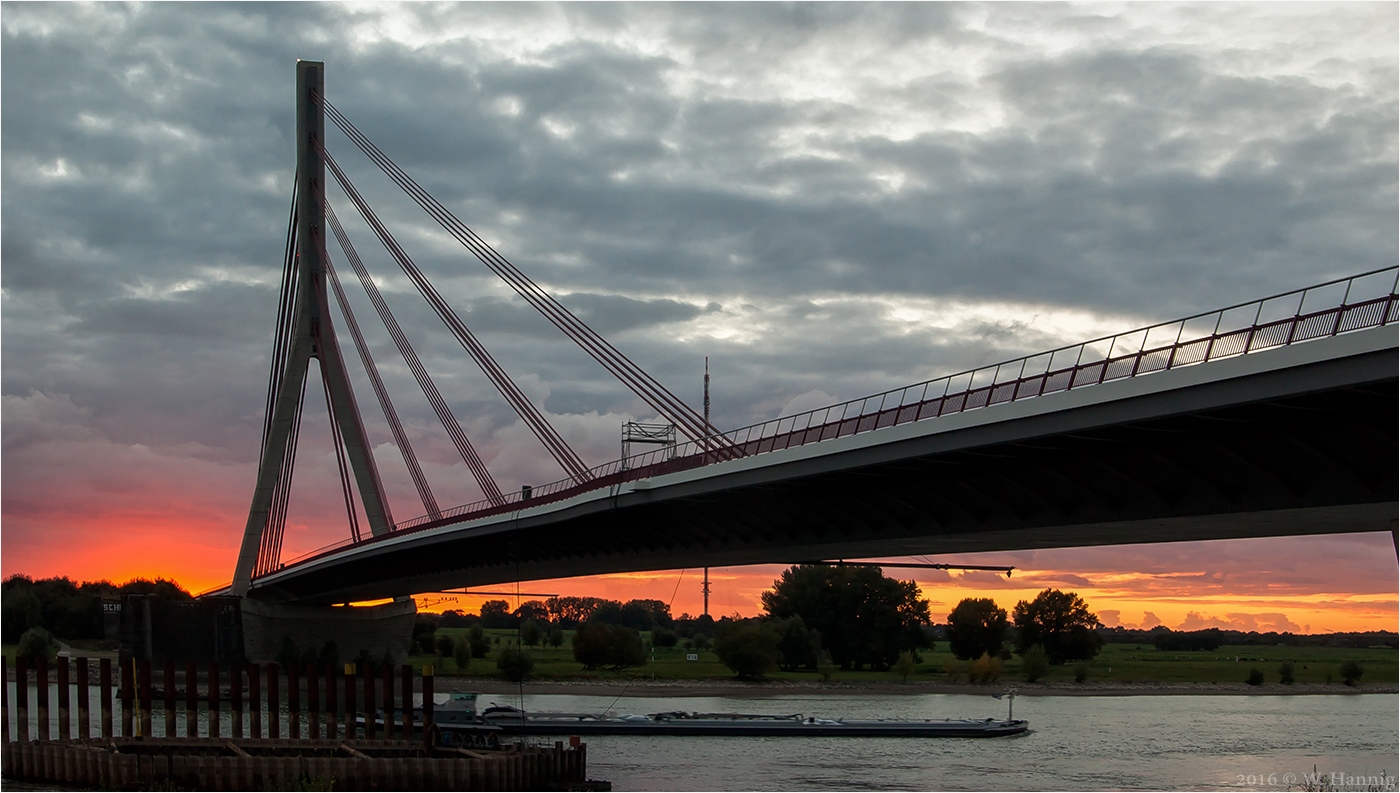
[976,626]
[598,644]
[496,614]
[1061,623]
[863,616]
[749,648]
[798,646]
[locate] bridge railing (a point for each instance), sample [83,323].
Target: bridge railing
[1347,304]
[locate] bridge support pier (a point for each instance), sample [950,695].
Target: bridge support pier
[376,630]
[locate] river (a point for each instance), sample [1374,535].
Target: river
[1158,742]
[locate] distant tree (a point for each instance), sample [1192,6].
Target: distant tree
[454,618]
[533,610]
[1351,672]
[1188,641]
[976,626]
[1081,672]
[904,666]
[634,614]
[568,612]
[1255,678]
[749,648]
[798,647]
[598,644]
[462,654]
[1034,664]
[863,617]
[515,664]
[477,637]
[329,655]
[529,633]
[1061,623]
[496,614]
[825,666]
[21,609]
[664,637]
[556,636]
[36,643]
[1285,673]
[444,646]
[425,628]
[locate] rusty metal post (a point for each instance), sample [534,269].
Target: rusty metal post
[213,691]
[127,692]
[22,699]
[406,696]
[41,689]
[64,715]
[274,708]
[254,702]
[84,700]
[313,703]
[104,695]
[143,695]
[387,676]
[368,708]
[191,699]
[235,699]
[170,727]
[428,706]
[349,709]
[331,728]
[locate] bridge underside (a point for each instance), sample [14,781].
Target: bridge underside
[1181,465]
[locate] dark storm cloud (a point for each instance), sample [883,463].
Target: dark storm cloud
[828,199]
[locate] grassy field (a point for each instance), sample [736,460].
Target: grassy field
[1122,663]
[1118,663]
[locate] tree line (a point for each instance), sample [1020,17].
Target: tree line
[68,609]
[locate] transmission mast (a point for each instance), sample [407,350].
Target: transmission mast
[705,588]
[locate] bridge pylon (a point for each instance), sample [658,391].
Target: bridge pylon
[311,335]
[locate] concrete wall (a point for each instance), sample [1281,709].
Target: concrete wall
[374,629]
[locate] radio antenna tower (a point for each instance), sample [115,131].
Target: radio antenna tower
[705,588]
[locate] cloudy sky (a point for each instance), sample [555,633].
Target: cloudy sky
[828,200]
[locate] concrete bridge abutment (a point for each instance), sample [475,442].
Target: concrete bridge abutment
[377,631]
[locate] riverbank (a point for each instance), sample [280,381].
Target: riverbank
[772,688]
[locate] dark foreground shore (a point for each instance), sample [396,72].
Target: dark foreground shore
[735,688]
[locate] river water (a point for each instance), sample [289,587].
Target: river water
[1212,742]
[1077,743]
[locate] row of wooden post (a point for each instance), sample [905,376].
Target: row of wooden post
[322,709]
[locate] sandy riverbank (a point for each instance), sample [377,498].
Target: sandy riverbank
[735,688]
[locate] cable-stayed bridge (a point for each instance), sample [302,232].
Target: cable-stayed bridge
[1269,418]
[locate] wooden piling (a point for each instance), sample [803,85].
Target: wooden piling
[293,703]
[428,706]
[104,695]
[254,701]
[191,699]
[330,709]
[64,717]
[212,689]
[84,699]
[313,703]
[167,678]
[143,695]
[22,699]
[368,708]
[387,677]
[235,699]
[274,708]
[41,690]
[127,693]
[5,706]
[349,701]
[406,697]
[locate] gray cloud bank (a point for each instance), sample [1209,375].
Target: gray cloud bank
[827,199]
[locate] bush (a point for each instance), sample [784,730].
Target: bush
[462,654]
[1352,672]
[477,637]
[985,669]
[288,655]
[1081,673]
[904,665]
[530,633]
[1285,673]
[1256,678]
[1034,664]
[749,649]
[36,643]
[826,667]
[556,637]
[515,664]
[664,637]
[444,646]
[954,670]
